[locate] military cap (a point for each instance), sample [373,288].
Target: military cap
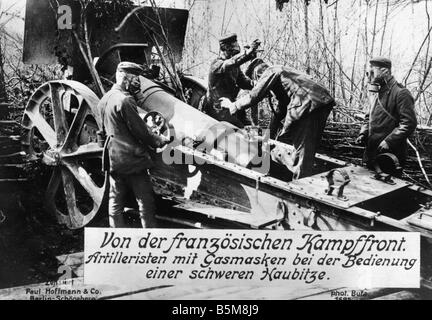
[381,62]
[130,67]
[227,39]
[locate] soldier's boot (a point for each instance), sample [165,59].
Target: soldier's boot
[117,221]
[148,221]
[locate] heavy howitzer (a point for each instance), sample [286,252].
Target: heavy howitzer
[214,179]
[251,196]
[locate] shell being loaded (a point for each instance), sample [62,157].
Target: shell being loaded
[189,123]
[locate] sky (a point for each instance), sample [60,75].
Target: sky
[407,27]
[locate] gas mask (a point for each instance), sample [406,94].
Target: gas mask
[377,77]
[231,49]
[133,85]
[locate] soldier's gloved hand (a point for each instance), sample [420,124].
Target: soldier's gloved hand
[255,44]
[251,50]
[361,140]
[227,104]
[248,52]
[383,147]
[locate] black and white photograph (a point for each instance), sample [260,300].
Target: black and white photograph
[215,150]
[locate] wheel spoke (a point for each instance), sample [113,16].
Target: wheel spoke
[51,192]
[76,218]
[72,193]
[43,127]
[86,181]
[60,123]
[77,124]
[87,150]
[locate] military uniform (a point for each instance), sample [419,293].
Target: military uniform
[129,157]
[305,106]
[391,118]
[225,81]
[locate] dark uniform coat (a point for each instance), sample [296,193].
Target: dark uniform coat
[304,105]
[391,118]
[296,93]
[225,81]
[130,136]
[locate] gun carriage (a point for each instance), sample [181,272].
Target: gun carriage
[217,185]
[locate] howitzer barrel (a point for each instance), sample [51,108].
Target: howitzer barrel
[188,122]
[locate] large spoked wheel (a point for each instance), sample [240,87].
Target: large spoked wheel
[61,122]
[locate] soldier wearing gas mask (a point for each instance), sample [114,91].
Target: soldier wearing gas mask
[226,79]
[303,105]
[391,118]
[128,141]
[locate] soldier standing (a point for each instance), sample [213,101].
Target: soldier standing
[226,79]
[391,119]
[128,147]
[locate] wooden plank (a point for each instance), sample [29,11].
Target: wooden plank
[255,221]
[71,259]
[213,294]
[179,292]
[368,294]
[426,284]
[288,292]
[402,295]
[376,293]
[218,292]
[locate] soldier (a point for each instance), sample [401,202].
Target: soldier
[226,79]
[129,139]
[391,119]
[304,104]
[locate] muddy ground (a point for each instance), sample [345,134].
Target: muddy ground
[31,239]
